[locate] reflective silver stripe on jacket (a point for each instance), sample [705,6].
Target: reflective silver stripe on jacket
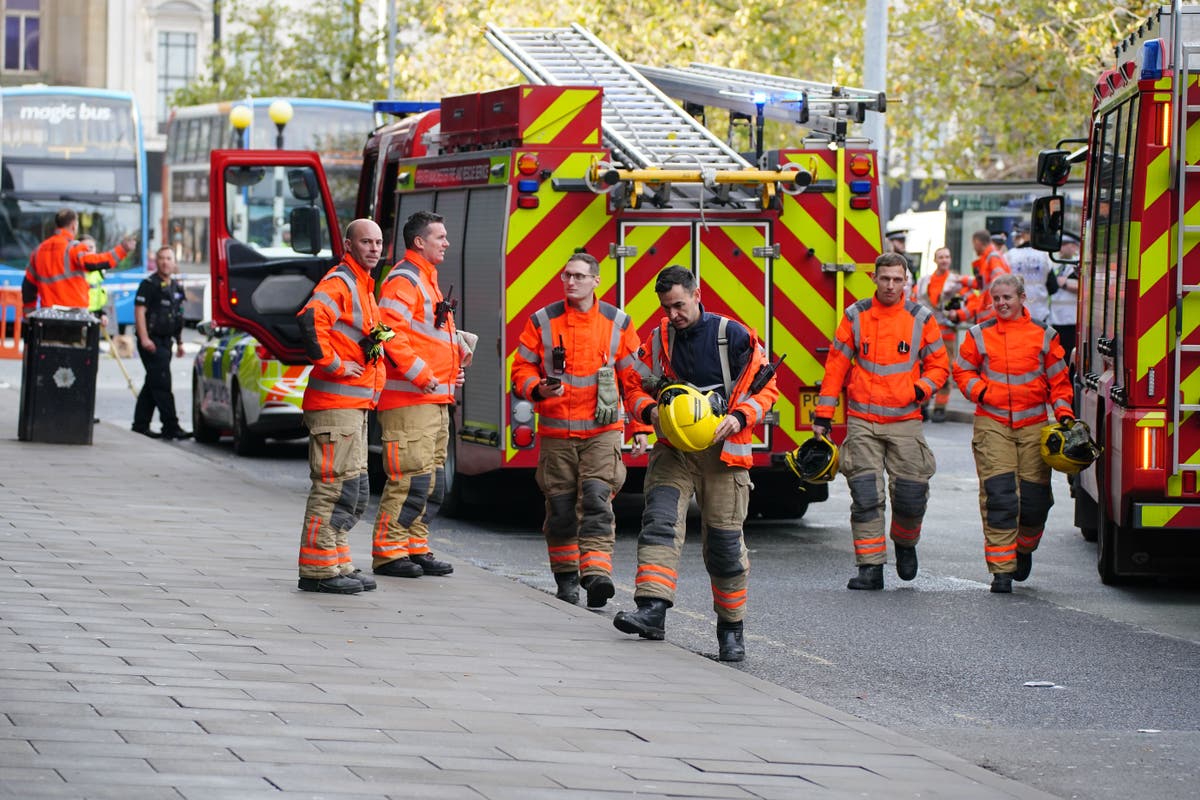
[408,386]
[1015,416]
[881,411]
[345,274]
[572,425]
[329,387]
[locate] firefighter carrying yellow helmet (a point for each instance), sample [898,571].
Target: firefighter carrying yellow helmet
[815,461]
[1068,446]
[689,417]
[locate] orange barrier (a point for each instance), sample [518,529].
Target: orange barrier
[10,331]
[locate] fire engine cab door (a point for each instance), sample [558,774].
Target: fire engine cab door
[273,235]
[728,258]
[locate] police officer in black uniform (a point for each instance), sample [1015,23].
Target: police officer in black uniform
[158,311]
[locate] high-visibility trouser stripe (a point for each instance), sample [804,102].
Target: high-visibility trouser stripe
[327,472]
[310,557]
[391,460]
[595,559]
[381,547]
[343,553]
[866,547]
[1027,541]
[730,600]
[1000,554]
[653,573]
[564,554]
[907,536]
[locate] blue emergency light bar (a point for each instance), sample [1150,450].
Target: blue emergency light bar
[402,108]
[1153,59]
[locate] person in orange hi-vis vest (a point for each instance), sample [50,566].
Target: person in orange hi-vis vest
[425,363]
[889,356]
[705,351]
[575,359]
[58,267]
[341,327]
[988,265]
[936,291]
[1011,367]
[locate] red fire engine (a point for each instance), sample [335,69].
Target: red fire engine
[592,154]
[1137,363]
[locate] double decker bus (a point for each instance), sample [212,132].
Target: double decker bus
[79,148]
[334,128]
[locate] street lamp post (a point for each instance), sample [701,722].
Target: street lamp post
[240,117]
[280,113]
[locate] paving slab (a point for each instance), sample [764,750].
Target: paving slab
[153,644]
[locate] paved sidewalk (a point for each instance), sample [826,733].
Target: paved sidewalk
[153,644]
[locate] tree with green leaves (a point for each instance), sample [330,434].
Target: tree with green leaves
[975,88]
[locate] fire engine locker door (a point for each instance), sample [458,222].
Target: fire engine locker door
[658,246]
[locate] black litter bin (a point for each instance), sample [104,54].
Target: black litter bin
[58,376]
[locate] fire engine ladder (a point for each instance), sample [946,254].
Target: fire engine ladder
[642,127]
[1186,174]
[825,108]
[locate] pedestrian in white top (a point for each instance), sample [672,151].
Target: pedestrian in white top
[1034,267]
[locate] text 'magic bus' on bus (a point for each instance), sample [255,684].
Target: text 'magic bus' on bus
[78,148]
[335,129]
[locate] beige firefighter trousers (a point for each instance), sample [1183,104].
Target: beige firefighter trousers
[1014,490]
[413,436]
[723,493]
[337,463]
[899,449]
[579,478]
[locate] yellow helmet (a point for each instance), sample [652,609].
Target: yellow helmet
[815,461]
[1068,446]
[689,418]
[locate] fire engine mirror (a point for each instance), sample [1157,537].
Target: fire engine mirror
[245,176]
[1046,225]
[303,184]
[1054,167]
[306,229]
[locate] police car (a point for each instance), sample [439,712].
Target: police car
[239,388]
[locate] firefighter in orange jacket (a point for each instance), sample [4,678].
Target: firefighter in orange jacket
[936,291]
[575,359]
[707,351]
[988,266]
[340,324]
[1011,367]
[424,366]
[59,266]
[889,356]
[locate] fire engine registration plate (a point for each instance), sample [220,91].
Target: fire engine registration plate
[806,407]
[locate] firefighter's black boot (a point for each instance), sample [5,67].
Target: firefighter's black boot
[730,645]
[599,588]
[568,587]
[648,622]
[1024,566]
[906,562]
[870,576]
[1002,583]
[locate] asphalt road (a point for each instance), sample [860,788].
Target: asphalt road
[940,658]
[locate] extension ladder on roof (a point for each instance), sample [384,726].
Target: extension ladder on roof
[641,125]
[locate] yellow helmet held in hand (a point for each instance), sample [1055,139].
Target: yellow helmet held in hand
[1068,446]
[815,461]
[689,418]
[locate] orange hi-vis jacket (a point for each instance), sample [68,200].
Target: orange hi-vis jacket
[737,450]
[335,320]
[1011,368]
[601,336]
[59,266]
[989,265]
[421,351]
[886,352]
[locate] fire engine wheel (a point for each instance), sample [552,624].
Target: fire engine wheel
[1106,547]
[245,441]
[204,433]
[451,490]
[775,496]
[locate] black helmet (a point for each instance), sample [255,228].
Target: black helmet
[815,461]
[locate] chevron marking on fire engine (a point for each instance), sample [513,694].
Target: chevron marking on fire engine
[730,287]
[1154,260]
[643,304]
[526,286]
[1158,516]
[558,115]
[1152,347]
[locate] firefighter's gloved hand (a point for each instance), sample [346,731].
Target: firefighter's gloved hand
[919,392]
[954,303]
[608,408]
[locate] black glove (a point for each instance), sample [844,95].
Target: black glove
[954,303]
[920,392]
[1066,419]
[824,422]
[1051,282]
[981,394]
